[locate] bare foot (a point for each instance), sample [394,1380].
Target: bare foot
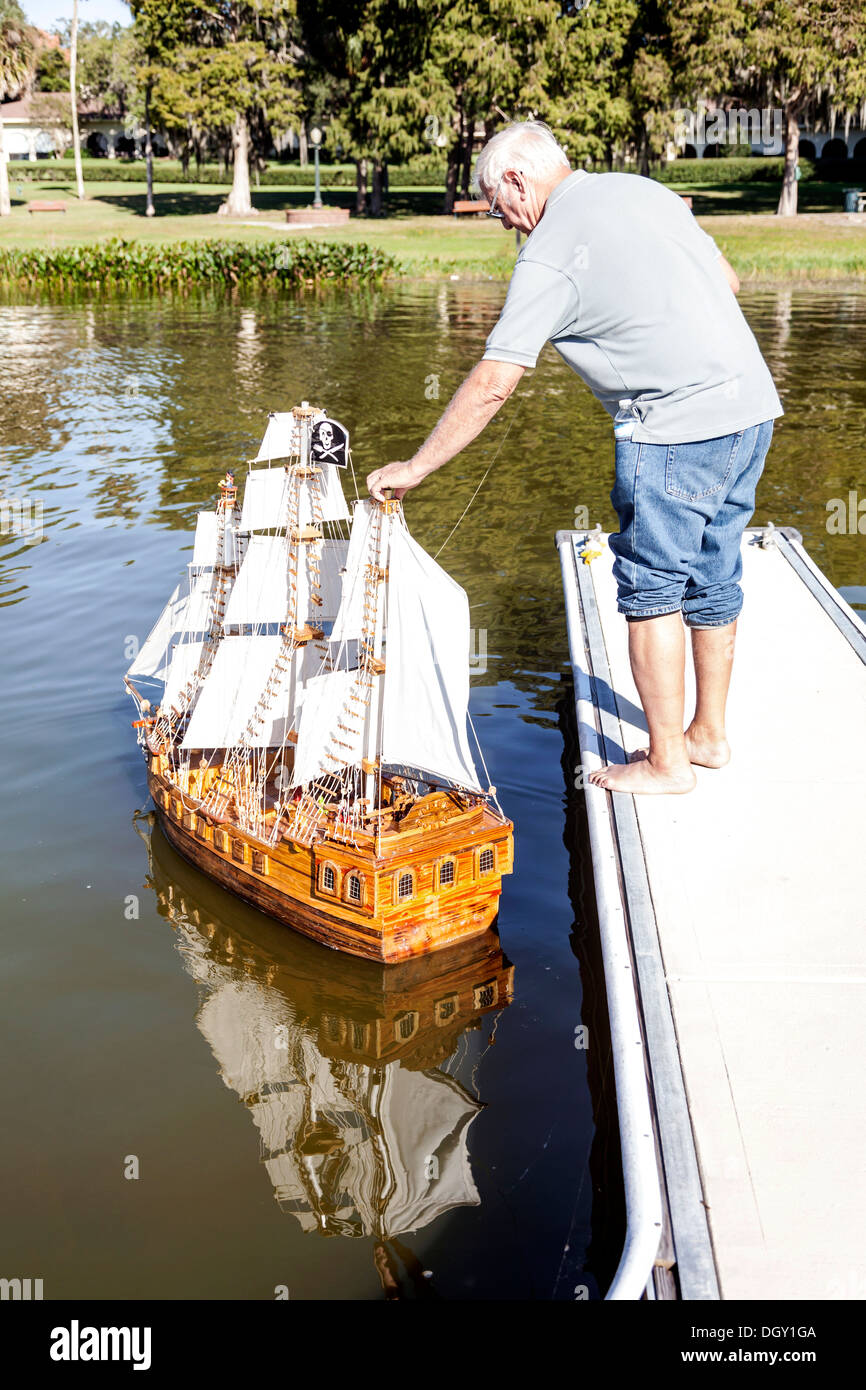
[643,777]
[705,752]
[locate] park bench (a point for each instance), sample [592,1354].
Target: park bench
[687,199]
[469,207]
[46,205]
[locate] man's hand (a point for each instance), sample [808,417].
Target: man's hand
[472,407]
[398,476]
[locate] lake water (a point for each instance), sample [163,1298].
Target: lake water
[157,1144]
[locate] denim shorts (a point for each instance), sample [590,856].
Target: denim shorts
[682,511]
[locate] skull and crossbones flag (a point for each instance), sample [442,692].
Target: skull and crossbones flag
[330,443]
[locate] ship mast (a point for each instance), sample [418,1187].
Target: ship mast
[374,641]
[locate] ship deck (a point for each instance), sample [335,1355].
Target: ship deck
[741,912]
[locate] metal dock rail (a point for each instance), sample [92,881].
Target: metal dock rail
[732,923]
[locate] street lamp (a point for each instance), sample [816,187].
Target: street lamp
[315,141]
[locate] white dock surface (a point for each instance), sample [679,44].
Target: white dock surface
[758,887]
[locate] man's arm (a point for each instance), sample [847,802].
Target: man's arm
[472,407]
[732,277]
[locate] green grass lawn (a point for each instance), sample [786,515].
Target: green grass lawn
[821,244]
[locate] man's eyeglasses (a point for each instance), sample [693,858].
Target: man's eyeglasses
[492,210]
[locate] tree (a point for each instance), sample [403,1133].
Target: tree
[226,91]
[393,97]
[106,63]
[16,52]
[494,60]
[52,71]
[804,57]
[73,97]
[809,52]
[242,67]
[159,26]
[591,84]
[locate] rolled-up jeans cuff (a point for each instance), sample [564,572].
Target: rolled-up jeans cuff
[713,622]
[637,613]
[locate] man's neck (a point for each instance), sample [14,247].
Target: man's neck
[547,188]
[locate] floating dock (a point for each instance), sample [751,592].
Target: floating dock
[732,923]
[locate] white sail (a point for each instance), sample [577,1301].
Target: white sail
[230,695]
[361,540]
[331,564]
[266,500]
[154,657]
[323,745]
[204,555]
[261,590]
[331,490]
[268,493]
[184,663]
[426,693]
[282,437]
[197,616]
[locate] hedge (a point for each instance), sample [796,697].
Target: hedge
[178,265]
[755,170]
[169,171]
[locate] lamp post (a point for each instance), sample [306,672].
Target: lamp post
[315,141]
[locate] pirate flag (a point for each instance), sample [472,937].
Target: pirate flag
[330,443]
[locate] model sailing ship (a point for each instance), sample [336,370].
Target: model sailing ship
[303,712]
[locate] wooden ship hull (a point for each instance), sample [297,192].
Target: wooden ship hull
[289,881]
[308,748]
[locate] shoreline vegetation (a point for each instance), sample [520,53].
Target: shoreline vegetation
[105,240]
[269,265]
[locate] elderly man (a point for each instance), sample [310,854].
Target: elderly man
[640,303]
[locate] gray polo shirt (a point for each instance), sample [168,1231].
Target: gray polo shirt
[621,279]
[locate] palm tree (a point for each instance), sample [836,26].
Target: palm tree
[15,61]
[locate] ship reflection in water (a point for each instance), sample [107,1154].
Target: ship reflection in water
[339,1060]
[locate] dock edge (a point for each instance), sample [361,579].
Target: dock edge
[664,1196]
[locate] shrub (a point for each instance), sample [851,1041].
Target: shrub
[270,265]
[757,169]
[101,170]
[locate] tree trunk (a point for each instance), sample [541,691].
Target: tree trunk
[452,173]
[150,210]
[788,197]
[302,145]
[469,142]
[376,192]
[238,203]
[643,156]
[360,185]
[5,203]
[73,97]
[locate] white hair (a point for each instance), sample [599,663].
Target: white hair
[528,146]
